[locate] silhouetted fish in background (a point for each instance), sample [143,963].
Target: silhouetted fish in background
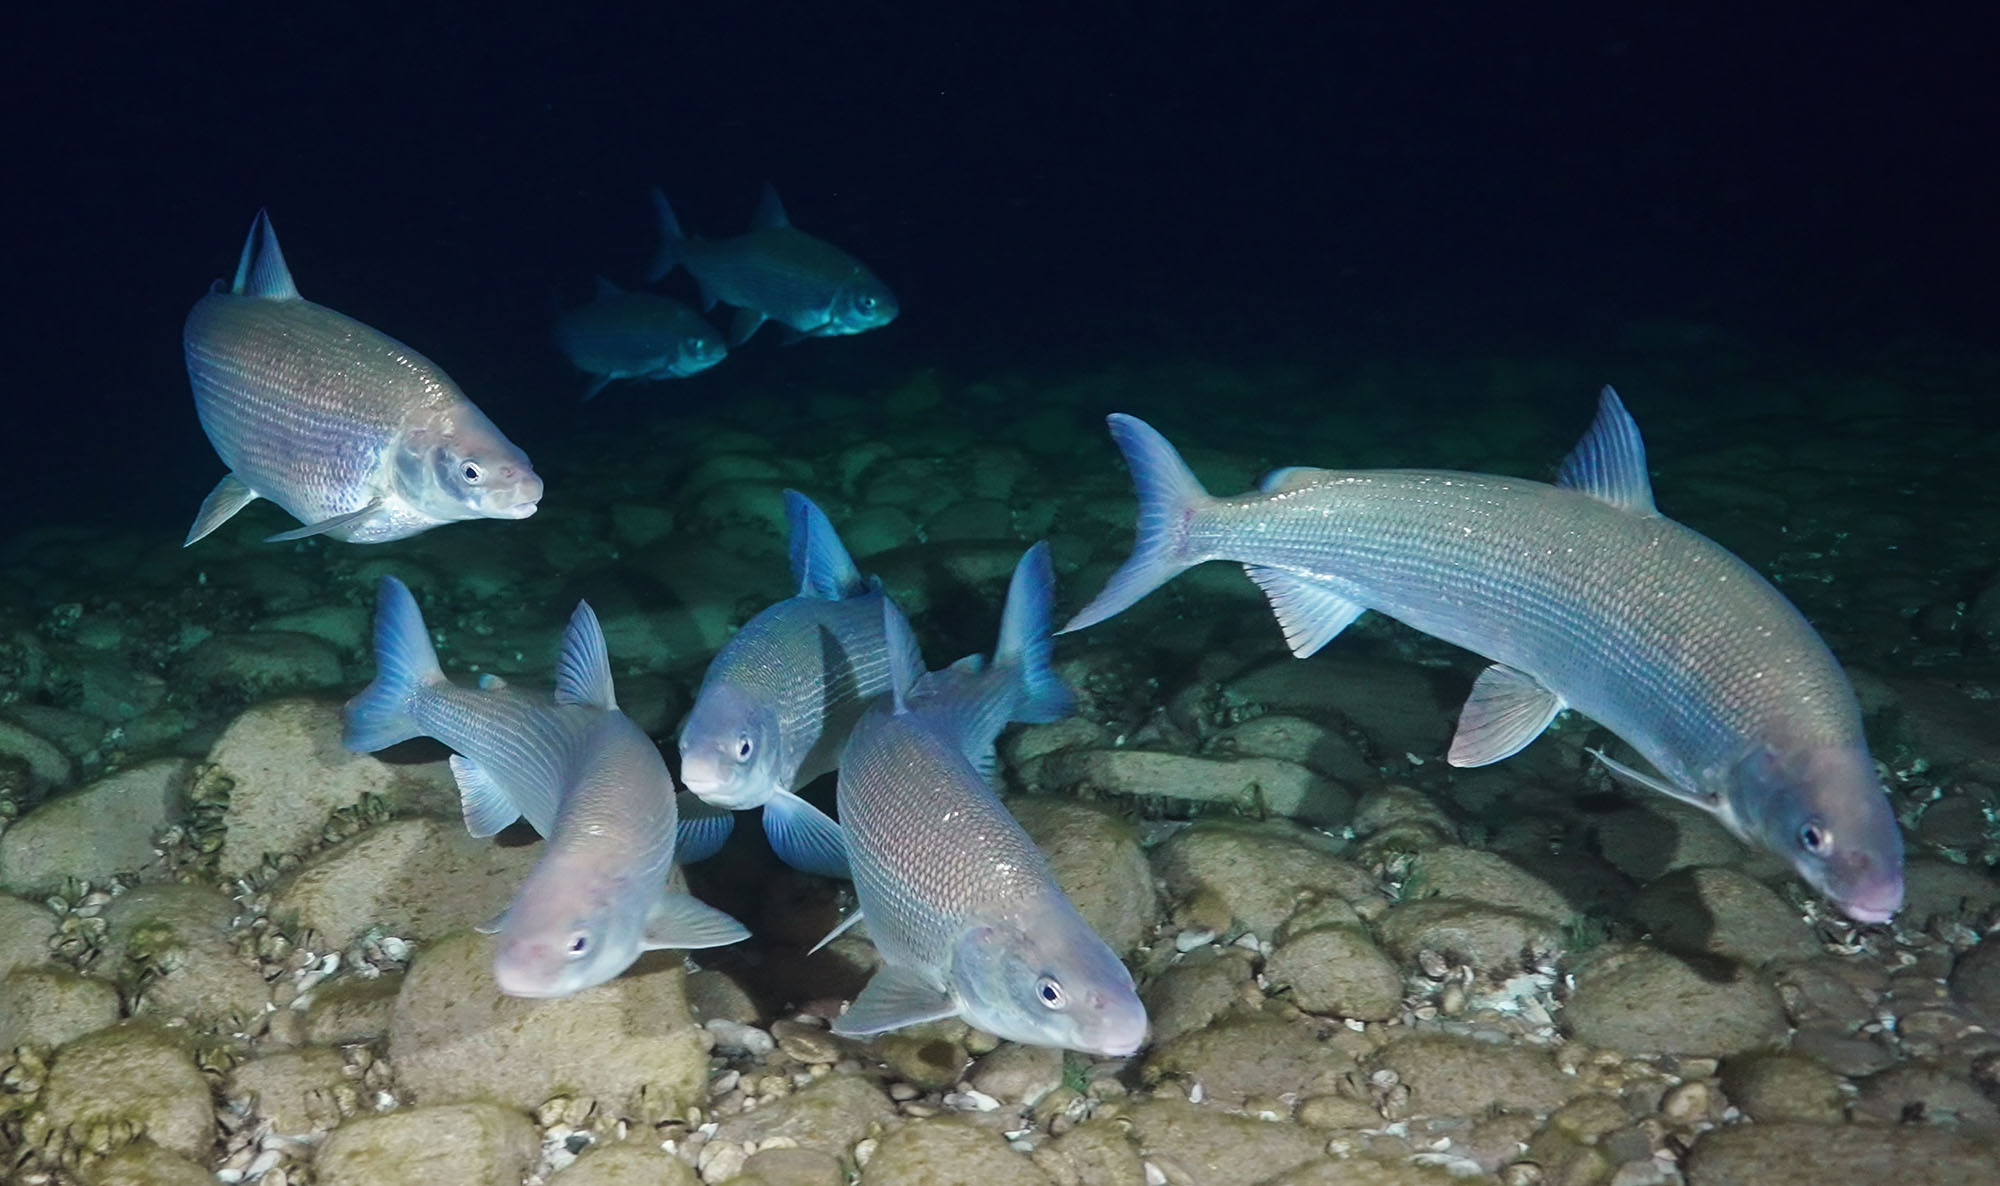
[360,437]
[1585,597]
[636,335]
[776,271]
[583,774]
[961,904]
[778,700]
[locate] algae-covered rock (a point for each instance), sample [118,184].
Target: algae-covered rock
[1723,912]
[252,666]
[1239,1058]
[1491,940]
[1336,970]
[1258,871]
[1018,1074]
[471,1144]
[97,830]
[829,1114]
[949,1152]
[1794,1154]
[629,1043]
[294,1089]
[1253,786]
[134,1072]
[1771,1087]
[1094,1153]
[783,1166]
[415,878]
[25,930]
[170,946]
[1191,994]
[1216,1146]
[628,1164]
[47,765]
[143,1163]
[49,1005]
[1452,1076]
[1640,1000]
[1098,862]
[1473,875]
[284,773]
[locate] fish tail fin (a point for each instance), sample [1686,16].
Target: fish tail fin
[1169,494]
[668,255]
[406,663]
[1026,645]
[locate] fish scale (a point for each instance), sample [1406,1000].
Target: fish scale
[1631,617]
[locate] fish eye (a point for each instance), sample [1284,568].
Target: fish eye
[1050,993]
[579,945]
[1815,839]
[471,472]
[743,747]
[865,303]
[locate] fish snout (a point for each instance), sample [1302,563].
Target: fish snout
[1873,897]
[515,492]
[1121,1027]
[521,970]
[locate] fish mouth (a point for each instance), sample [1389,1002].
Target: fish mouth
[1874,904]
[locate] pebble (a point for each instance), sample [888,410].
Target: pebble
[1018,1074]
[733,1037]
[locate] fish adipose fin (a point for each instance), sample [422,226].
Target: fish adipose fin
[596,385]
[1026,643]
[1308,612]
[680,921]
[325,525]
[1653,782]
[668,256]
[700,828]
[819,561]
[804,837]
[583,675]
[1507,710]
[229,496]
[261,270]
[405,661]
[741,326]
[893,999]
[840,928]
[1169,493]
[1609,463]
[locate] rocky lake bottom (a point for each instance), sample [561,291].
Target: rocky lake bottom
[230,950]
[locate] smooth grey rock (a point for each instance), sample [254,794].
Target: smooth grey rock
[1395,704]
[1934,888]
[1929,1092]
[1640,1000]
[1216,1146]
[417,879]
[25,931]
[470,1144]
[1975,981]
[257,665]
[134,1071]
[1473,875]
[47,765]
[1772,1087]
[95,831]
[627,1164]
[1254,786]
[1316,746]
[629,1043]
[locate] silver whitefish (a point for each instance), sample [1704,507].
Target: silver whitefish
[1585,597]
[355,434]
[579,770]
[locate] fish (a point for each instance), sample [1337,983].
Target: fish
[775,272]
[961,905]
[777,701]
[580,772]
[1583,596]
[636,335]
[353,433]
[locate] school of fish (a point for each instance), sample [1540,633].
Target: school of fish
[1580,594]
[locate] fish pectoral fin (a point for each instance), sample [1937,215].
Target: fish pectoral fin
[803,836]
[1308,612]
[229,496]
[840,928]
[1653,782]
[596,385]
[326,525]
[680,921]
[743,325]
[487,806]
[1507,710]
[701,828]
[896,997]
[492,925]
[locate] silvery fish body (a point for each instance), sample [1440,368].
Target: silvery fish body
[779,698]
[776,271]
[636,335]
[586,777]
[360,437]
[962,906]
[1585,597]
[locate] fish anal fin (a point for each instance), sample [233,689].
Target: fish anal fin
[1507,710]
[1308,612]
[896,997]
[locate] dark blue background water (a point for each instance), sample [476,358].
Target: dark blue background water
[1047,187]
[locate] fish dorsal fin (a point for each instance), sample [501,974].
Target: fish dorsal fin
[770,212]
[1507,710]
[819,561]
[904,655]
[261,270]
[605,289]
[583,675]
[1309,613]
[1289,477]
[1609,463]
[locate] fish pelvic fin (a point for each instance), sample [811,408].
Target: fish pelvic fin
[1609,463]
[1507,710]
[741,326]
[1169,494]
[261,270]
[1026,644]
[820,562]
[405,664]
[229,496]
